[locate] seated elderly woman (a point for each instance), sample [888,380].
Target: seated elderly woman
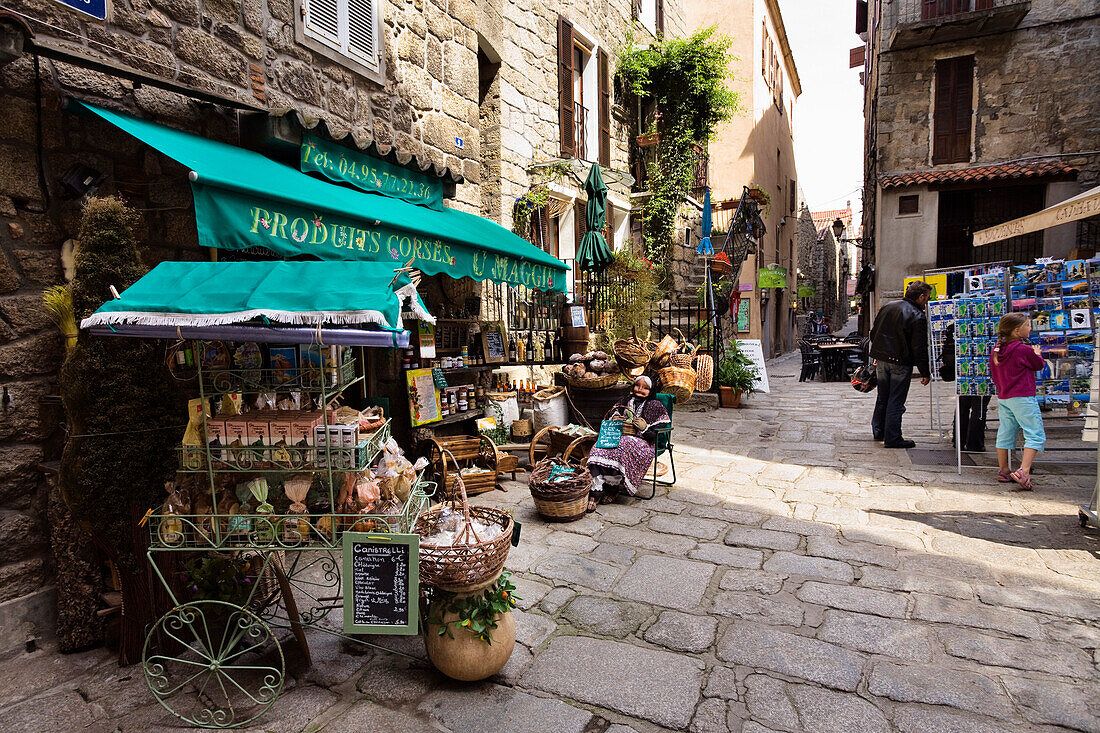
[615,470]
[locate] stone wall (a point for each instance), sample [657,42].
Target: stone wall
[246,51]
[529,84]
[1035,94]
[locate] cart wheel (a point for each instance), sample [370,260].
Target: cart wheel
[536,448]
[213,664]
[579,450]
[1082,518]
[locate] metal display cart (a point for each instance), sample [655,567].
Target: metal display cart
[218,663]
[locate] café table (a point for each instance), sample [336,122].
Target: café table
[833,358]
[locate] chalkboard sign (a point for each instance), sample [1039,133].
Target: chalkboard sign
[611,434]
[381,583]
[492,339]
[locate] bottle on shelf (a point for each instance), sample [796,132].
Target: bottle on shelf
[512,349]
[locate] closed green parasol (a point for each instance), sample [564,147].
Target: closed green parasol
[594,254]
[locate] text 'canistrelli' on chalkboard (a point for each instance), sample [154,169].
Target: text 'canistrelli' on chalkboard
[380,574]
[380,583]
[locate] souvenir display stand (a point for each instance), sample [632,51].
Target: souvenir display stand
[1063,298]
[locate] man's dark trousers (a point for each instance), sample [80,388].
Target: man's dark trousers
[893,388]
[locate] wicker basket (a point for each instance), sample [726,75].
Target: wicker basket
[684,356]
[470,561]
[560,501]
[631,355]
[678,382]
[598,383]
[704,371]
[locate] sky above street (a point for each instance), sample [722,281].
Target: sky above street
[829,115]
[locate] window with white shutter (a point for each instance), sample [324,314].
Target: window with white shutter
[347,26]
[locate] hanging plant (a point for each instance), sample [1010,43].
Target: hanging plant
[686,78]
[537,197]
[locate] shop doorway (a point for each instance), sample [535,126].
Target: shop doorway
[961,213]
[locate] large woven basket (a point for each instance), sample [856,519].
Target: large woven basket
[560,501]
[704,372]
[678,382]
[470,561]
[598,383]
[631,355]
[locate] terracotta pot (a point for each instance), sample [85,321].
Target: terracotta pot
[467,658]
[729,397]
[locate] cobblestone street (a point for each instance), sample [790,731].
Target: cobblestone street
[798,577]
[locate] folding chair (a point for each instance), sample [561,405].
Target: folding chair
[663,445]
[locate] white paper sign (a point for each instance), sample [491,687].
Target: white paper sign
[755,352]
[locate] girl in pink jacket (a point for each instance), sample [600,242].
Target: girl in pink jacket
[1012,364]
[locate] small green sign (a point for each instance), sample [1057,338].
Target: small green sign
[806,291]
[611,434]
[381,583]
[772,276]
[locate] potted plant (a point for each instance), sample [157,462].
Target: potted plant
[736,376]
[470,636]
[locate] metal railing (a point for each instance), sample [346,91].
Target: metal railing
[580,128]
[913,11]
[701,174]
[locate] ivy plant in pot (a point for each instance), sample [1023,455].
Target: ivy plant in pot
[736,376]
[470,636]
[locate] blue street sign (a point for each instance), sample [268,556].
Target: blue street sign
[94,8]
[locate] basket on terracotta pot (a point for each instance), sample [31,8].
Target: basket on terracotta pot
[704,372]
[678,382]
[562,497]
[470,561]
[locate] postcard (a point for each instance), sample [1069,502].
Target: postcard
[1059,319]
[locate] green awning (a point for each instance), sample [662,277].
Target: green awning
[290,293]
[243,199]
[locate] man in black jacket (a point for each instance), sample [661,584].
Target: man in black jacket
[899,342]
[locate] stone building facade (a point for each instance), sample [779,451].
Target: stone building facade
[977,113]
[521,106]
[461,89]
[825,265]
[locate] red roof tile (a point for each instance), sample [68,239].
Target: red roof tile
[979,174]
[826,218]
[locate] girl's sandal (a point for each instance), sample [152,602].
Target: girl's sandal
[1023,478]
[592,504]
[1004,477]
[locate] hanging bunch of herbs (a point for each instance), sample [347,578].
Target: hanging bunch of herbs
[686,79]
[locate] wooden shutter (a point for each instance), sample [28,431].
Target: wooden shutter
[660,21]
[604,70]
[580,226]
[983,4]
[361,29]
[566,120]
[323,18]
[929,9]
[953,107]
[794,195]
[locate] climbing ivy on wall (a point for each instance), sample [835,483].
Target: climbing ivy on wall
[686,78]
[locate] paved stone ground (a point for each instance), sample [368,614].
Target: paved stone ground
[799,577]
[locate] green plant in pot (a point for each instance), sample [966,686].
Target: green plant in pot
[736,376]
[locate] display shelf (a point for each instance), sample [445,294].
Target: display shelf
[311,531]
[284,458]
[460,417]
[329,379]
